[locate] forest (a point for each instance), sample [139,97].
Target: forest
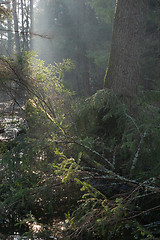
[79,119]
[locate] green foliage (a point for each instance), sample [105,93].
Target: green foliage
[29,184]
[100,218]
[28,178]
[41,169]
[40,126]
[78,158]
[104,9]
[132,145]
[105,125]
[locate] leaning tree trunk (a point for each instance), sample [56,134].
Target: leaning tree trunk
[123,73]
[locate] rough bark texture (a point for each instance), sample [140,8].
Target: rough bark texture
[126,49]
[159,42]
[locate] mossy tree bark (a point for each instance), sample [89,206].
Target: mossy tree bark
[123,75]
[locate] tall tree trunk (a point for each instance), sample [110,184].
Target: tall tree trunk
[123,73]
[31,24]
[27,26]
[83,75]
[159,42]
[16,29]
[9,23]
[22,19]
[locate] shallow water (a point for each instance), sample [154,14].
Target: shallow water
[11,117]
[10,126]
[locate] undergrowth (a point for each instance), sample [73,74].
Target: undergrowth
[88,162]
